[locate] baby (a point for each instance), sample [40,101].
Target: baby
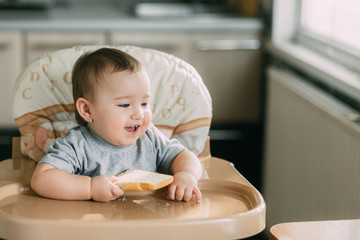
[112,96]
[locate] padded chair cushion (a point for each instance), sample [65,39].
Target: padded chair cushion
[43,103]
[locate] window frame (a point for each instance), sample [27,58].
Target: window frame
[340,53]
[283,44]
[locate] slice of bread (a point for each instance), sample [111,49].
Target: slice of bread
[139,180]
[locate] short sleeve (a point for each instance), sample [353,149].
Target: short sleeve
[62,155]
[166,150]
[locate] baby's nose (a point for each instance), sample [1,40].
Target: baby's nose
[138,114]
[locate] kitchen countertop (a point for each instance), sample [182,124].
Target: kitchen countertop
[94,17]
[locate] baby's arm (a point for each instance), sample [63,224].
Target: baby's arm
[50,182]
[187,171]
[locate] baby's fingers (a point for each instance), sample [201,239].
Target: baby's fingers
[171,193]
[116,191]
[197,193]
[175,192]
[188,194]
[113,179]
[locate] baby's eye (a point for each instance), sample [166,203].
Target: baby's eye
[124,105]
[145,104]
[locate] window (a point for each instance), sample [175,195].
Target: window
[331,27]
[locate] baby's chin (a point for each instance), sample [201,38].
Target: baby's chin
[124,142]
[127,137]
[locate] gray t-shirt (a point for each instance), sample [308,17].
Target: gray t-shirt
[83,152]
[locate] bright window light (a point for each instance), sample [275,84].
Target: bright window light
[334,20]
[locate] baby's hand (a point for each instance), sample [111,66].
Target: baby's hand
[103,188]
[183,187]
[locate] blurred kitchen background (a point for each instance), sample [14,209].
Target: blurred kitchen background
[221,39]
[283,76]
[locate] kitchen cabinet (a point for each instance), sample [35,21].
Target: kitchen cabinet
[11,49]
[11,63]
[230,66]
[175,44]
[39,43]
[14,56]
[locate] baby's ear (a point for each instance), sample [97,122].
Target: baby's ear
[83,108]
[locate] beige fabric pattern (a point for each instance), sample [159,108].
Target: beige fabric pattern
[43,103]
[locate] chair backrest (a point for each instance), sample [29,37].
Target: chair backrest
[43,104]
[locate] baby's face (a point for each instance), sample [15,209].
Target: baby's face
[121,112]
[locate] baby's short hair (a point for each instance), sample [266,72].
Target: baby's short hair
[89,69]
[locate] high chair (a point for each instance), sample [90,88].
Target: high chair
[181,105]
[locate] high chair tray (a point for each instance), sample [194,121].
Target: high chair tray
[228,210]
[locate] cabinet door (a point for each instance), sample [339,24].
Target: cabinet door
[41,43]
[175,44]
[10,67]
[230,66]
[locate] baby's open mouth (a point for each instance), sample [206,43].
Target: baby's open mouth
[132,128]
